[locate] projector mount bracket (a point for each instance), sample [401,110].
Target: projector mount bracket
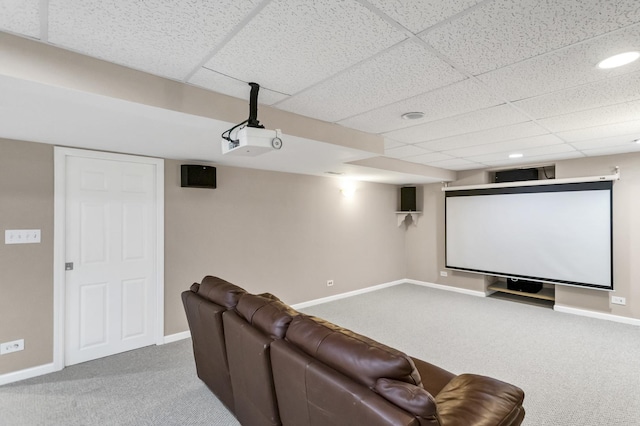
[252,121]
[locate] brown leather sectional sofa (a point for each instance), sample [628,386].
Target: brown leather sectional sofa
[271,365]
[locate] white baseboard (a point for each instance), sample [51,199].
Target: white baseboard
[344,295]
[385,285]
[447,288]
[178,336]
[27,373]
[598,315]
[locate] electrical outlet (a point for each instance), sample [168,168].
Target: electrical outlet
[8,347]
[444,274]
[618,300]
[329,283]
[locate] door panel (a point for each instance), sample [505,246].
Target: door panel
[134,300]
[93,315]
[93,233]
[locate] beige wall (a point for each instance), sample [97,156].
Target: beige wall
[282,233]
[425,243]
[277,232]
[267,231]
[26,270]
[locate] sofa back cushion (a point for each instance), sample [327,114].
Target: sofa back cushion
[311,393]
[267,314]
[220,292]
[358,357]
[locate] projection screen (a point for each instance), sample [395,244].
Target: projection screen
[559,233]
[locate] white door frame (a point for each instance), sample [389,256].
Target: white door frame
[59,241]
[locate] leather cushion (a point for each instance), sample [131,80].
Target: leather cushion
[267,314]
[220,291]
[471,399]
[409,397]
[355,356]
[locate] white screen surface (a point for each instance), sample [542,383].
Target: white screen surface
[557,236]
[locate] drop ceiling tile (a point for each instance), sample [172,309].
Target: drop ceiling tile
[503,32]
[610,114]
[375,83]
[498,134]
[457,164]
[506,146]
[293,44]
[156,36]
[390,143]
[487,118]
[615,90]
[606,131]
[611,150]
[508,162]
[457,98]
[212,80]
[622,141]
[20,17]
[565,68]
[405,151]
[432,157]
[528,153]
[417,15]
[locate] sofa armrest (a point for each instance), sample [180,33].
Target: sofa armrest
[411,398]
[434,378]
[471,399]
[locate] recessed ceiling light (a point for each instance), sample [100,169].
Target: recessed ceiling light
[636,141]
[516,155]
[618,60]
[412,115]
[334,173]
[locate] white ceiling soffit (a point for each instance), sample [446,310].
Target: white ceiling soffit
[97,122]
[490,76]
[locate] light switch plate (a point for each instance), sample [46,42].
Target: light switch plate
[21,236]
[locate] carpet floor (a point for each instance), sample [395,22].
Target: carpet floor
[575,371]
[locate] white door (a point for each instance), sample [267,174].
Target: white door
[110,293]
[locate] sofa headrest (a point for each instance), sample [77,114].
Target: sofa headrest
[220,291]
[358,357]
[266,313]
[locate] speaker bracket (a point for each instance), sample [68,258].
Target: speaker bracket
[402,217]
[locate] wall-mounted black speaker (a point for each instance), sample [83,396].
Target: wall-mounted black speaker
[196,176]
[408,199]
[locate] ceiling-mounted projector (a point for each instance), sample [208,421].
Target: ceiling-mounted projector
[252,139]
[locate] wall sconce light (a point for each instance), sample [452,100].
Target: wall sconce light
[348,189]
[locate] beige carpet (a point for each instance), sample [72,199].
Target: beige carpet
[575,371]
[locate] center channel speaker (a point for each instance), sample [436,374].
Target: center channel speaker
[523,285]
[408,199]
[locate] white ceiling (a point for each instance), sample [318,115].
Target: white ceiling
[493,77]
